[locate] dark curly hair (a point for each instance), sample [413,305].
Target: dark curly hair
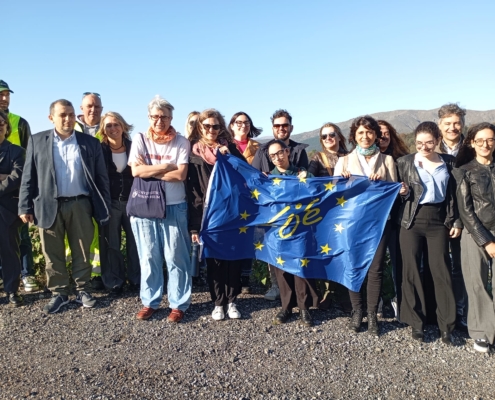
[281,113]
[396,148]
[369,123]
[467,152]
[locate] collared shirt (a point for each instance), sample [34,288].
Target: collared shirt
[434,184]
[455,150]
[67,162]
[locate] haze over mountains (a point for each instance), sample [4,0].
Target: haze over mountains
[405,121]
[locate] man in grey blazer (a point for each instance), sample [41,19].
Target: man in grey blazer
[64,185]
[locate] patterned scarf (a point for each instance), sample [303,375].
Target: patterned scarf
[161,138]
[206,152]
[367,152]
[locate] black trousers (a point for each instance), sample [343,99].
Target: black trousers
[9,254]
[224,280]
[375,276]
[427,232]
[296,291]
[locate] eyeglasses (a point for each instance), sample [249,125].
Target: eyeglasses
[3,122]
[278,126]
[87,93]
[241,123]
[215,127]
[278,154]
[430,143]
[109,126]
[328,135]
[481,142]
[160,117]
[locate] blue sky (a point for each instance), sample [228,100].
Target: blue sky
[321,60]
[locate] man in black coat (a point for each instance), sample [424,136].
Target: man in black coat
[282,128]
[64,185]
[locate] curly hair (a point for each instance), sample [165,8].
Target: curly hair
[397,148]
[467,152]
[281,113]
[368,122]
[196,133]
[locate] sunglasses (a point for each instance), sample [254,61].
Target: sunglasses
[328,135]
[215,127]
[278,126]
[87,93]
[192,122]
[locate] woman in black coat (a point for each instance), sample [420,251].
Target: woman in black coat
[116,145]
[210,136]
[11,165]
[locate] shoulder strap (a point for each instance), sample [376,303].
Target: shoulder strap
[147,155]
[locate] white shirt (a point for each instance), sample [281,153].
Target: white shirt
[174,152]
[120,160]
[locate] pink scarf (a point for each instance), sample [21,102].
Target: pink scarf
[208,153]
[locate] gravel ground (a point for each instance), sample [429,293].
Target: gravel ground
[105,353]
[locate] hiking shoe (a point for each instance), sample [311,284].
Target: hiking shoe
[30,284]
[273,293]
[233,312]
[373,328]
[55,303]
[176,315]
[481,345]
[218,313]
[15,300]
[85,299]
[97,283]
[305,318]
[355,321]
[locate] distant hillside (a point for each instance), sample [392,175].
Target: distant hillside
[405,121]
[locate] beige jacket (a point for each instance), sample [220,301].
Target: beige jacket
[384,166]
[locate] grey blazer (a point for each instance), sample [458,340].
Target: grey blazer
[38,192]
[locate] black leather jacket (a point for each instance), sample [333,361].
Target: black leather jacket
[476,200]
[410,176]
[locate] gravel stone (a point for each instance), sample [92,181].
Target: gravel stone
[106,353]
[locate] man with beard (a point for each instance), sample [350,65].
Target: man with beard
[282,128]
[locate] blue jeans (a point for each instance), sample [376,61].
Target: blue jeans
[168,240]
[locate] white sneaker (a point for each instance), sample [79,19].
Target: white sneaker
[395,306]
[273,294]
[233,312]
[30,284]
[218,313]
[481,345]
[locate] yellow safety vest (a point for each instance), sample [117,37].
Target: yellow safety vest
[14,137]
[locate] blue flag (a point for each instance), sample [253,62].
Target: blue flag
[327,228]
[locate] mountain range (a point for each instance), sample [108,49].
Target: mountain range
[404,121]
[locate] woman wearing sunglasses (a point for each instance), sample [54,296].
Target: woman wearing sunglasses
[332,147]
[366,159]
[210,137]
[428,216]
[475,175]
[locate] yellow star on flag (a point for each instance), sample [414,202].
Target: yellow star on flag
[280,261]
[325,249]
[258,246]
[302,179]
[243,229]
[245,215]
[276,181]
[304,262]
[255,194]
[339,228]
[341,201]
[329,186]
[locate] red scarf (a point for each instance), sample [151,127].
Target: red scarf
[161,138]
[208,153]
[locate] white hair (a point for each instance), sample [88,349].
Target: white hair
[160,103]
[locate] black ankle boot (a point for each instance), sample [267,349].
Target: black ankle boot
[373,328]
[15,299]
[355,321]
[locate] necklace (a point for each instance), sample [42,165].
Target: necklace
[116,148]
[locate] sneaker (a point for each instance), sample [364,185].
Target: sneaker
[176,315]
[379,311]
[218,313]
[395,306]
[85,299]
[273,294]
[481,345]
[30,284]
[55,303]
[97,283]
[15,300]
[233,312]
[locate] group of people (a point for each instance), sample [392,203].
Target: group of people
[75,182]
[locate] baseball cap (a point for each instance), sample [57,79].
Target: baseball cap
[4,86]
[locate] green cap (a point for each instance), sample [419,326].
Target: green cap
[4,86]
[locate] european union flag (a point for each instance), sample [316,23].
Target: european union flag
[326,228]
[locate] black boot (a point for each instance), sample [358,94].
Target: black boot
[15,299]
[373,328]
[355,321]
